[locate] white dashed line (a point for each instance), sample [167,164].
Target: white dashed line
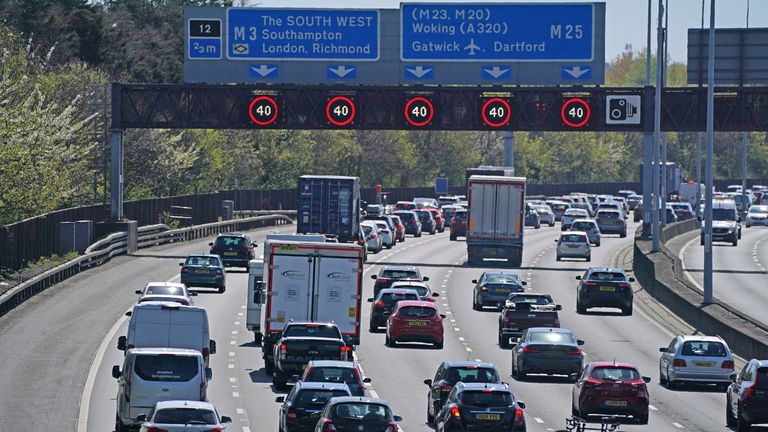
[468,349]
[240,411]
[232,342]
[461,338]
[231,366]
[235,394]
[246,429]
[237,322]
[234,332]
[231,353]
[538,420]
[232,379]
[652,408]
[678,425]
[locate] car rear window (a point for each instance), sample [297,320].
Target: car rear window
[615,373]
[762,378]
[575,212]
[163,290]
[367,229]
[460,215]
[182,416]
[400,274]
[317,397]
[573,238]
[559,207]
[546,337]
[608,215]
[582,226]
[166,367]
[407,216]
[418,311]
[486,398]
[392,298]
[226,241]
[471,374]
[530,299]
[203,261]
[703,349]
[331,374]
[421,290]
[501,278]
[382,225]
[607,276]
[310,330]
[405,206]
[361,411]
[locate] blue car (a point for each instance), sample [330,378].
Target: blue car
[203,270]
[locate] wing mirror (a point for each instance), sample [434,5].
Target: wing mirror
[129,313]
[732,377]
[578,277]
[397,418]
[524,282]
[280,399]
[116,372]
[138,292]
[662,349]
[210,244]
[631,279]
[442,316]
[573,376]
[370,300]
[212,346]
[555,240]
[366,380]
[121,343]
[474,281]
[647,379]
[208,374]
[434,294]
[579,342]
[193,293]
[374,277]
[558,307]
[181,264]
[425,278]
[141,418]
[225,419]
[521,404]
[428,382]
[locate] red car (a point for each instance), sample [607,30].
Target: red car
[611,388]
[405,205]
[415,321]
[439,219]
[399,228]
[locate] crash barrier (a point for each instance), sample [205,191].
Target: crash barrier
[661,274]
[117,244]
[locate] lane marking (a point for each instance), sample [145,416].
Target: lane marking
[239,410]
[538,420]
[232,379]
[652,408]
[678,425]
[235,394]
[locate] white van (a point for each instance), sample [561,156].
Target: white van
[168,325]
[151,375]
[255,299]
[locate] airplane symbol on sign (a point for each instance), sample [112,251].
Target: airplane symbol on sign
[472,47]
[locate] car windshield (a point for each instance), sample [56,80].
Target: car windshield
[312,330]
[400,274]
[317,397]
[424,214]
[418,311]
[722,214]
[486,398]
[392,298]
[608,276]
[331,374]
[758,209]
[421,290]
[573,238]
[202,261]
[615,373]
[576,212]
[163,290]
[471,374]
[166,367]
[538,300]
[382,225]
[547,337]
[681,206]
[367,229]
[502,278]
[361,411]
[582,226]
[227,241]
[703,349]
[181,416]
[608,215]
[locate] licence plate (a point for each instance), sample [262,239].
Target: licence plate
[616,403]
[303,367]
[230,253]
[573,246]
[488,416]
[201,271]
[417,323]
[704,364]
[607,288]
[502,290]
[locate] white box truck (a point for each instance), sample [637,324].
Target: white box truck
[495,219]
[314,282]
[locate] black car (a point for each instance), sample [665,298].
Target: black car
[532,218]
[305,402]
[385,302]
[494,287]
[389,274]
[481,407]
[547,350]
[459,224]
[355,414]
[604,287]
[234,249]
[411,222]
[428,223]
[451,372]
[747,400]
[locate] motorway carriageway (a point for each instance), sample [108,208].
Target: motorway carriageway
[48,345]
[739,272]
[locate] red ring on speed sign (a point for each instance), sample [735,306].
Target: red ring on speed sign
[429,117]
[351,105]
[506,117]
[587,112]
[263,122]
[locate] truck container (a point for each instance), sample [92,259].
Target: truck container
[674,178]
[489,170]
[329,205]
[495,220]
[311,282]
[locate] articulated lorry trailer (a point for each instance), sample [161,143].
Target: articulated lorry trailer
[329,205]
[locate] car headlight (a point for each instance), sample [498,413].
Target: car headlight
[730,231]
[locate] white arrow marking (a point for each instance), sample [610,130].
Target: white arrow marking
[341,71]
[576,71]
[496,71]
[263,70]
[419,71]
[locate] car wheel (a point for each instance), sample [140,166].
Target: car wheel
[557,258]
[439,345]
[643,418]
[627,311]
[580,309]
[589,258]
[730,419]
[741,424]
[662,380]
[475,305]
[119,426]
[502,340]
[623,234]
[280,382]
[574,411]
[597,244]
[538,225]
[735,242]
[672,384]
[418,235]
[372,328]
[551,224]
[430,417]
[702,241]
[222,289]
[388,342]
[453,238]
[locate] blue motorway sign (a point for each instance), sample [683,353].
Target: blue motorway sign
[502,32]
[302,34]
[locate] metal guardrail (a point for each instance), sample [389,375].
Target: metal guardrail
[116,244]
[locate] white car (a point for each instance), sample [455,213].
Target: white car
[166,291]
[590,227]
[571,215]
[373,241]
[545,214]
[696,359]
[387,236]
[573,244]
[183,416]
[757,215]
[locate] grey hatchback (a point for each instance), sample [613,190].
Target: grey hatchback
[203,270]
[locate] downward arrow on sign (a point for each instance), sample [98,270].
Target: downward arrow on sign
[496,71]
[342,70]
[576,71]
[263,69]
[419,71]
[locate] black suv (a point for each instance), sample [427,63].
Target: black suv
[410,222]
[604,287]
[747,400]
[305,402]
[389,274]
[428,223]
[234,249]
[384,304]
[482,407]
[451,372]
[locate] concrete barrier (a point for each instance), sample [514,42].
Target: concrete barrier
[661,275]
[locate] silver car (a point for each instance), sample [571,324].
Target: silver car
[387,236]
[546,216]
[373,241]
[696,359]
[183,416]
[573,244]
[166,291]
[589,226]
[571,215]
[757,215]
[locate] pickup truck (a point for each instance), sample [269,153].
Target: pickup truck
[526,310]
[301,342]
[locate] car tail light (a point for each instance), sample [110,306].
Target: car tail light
[431,299]
[374,235]
[528,349]
[292,414]
[445,388]
[382,280]
[156,429]
[679,363]
[577,351]
[391,427]
[378,305]
[750,393]
[590,283]
[592,382]
[185,270]
[216,429]
[328,426]
[455,412]
[219,272]
[344,353]
[283,351]
[519,417]
[624,285]
[728,364]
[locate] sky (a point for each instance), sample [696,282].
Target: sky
[626,20]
